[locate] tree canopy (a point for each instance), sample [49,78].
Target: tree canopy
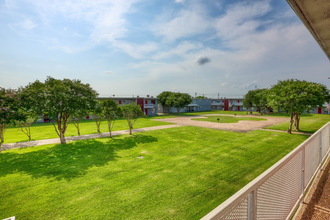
[260,100]
[9,110]
[164,100]
[248,99]
[201,97]
[59,99]
[295,97]
[179,100]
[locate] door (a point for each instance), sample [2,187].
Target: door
[140,102]
[226,106]
[238,108]
[320,110]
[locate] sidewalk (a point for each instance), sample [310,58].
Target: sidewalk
[81,137]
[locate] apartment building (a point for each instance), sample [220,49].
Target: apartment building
[196,105]
[228,104]
[149,104]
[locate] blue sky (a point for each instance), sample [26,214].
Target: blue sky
[140,47]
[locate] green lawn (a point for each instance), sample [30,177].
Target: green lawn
[46,130]
[185,172]
[309,123]
[227,119]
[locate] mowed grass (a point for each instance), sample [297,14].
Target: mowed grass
[214,112]
[183,173]
[309,123]
[41,131]
[227,119]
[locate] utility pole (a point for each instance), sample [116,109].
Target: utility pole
[218,95]
[195,94]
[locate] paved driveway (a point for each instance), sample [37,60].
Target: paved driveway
[241,126]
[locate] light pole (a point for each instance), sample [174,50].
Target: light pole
[328,104]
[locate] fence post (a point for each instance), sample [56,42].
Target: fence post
[303,174]
[251,206]
[320,147]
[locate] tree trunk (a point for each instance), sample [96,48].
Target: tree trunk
[291,122]
[62,138]
[29,133]
[130,130]
[296,122]
[2,131]
[110,131]
[168,110]
[178,109]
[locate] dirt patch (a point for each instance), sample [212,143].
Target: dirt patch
[241,126]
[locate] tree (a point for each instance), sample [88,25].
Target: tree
[179,100]
[260,100]
[77,116]
[248,100]
[59,100]
[163,99]
[9,111]
[98,115]
[30,116]
[201,97]
[24,125]
[111,112]
[295,97]
[132,113]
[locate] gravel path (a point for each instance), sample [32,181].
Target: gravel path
[241,126]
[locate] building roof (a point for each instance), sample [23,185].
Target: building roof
[316,17]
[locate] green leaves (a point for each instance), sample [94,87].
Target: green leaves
[297,96]
[59,99]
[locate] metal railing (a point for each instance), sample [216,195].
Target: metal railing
[277,192]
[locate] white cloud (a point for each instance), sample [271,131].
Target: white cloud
[138,51]
[145,64]
[180,50]
[223,84]
[241,19]
[109,72]
[187,23]
[28,24]
[103,19]
[179,1]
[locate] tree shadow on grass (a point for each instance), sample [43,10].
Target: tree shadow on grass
[70,160]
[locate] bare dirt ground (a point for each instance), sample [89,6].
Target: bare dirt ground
[241,126]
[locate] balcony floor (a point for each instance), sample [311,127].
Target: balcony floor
[317,202]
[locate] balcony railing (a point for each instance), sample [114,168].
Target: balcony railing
[277,192]
[149,105]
